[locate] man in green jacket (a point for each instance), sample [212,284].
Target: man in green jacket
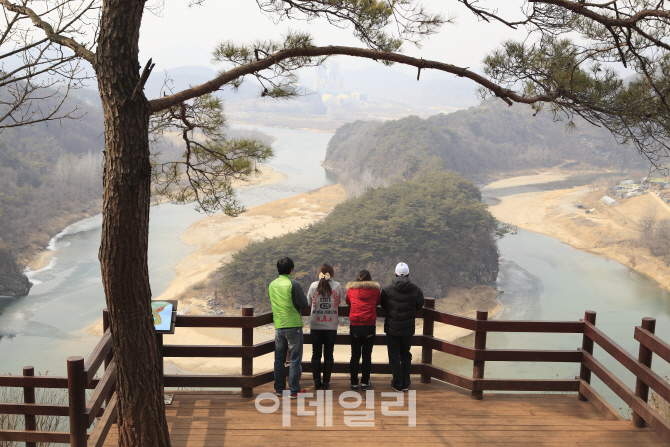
[287,298]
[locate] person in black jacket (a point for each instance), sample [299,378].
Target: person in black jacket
[400,299]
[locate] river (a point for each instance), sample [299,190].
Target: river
[542,279]
[49,325]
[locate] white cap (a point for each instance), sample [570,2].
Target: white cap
[401,269]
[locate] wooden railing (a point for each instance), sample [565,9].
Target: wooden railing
[81,373]
[81,413]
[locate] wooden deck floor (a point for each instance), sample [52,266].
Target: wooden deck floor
[445,416]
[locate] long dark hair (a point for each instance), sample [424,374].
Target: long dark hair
[364,275]
[324,287]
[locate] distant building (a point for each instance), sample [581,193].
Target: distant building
[327,78]
[626,182]
[609,201]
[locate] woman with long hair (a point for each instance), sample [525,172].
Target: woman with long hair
[324,296]
[363,297]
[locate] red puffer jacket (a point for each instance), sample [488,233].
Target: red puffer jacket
[363,297]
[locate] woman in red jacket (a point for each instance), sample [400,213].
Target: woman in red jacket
[363,297]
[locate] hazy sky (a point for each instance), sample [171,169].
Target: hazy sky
[186,36]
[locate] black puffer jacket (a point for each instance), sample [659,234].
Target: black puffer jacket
[401,299]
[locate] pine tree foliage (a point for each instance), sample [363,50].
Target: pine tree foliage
[211,161]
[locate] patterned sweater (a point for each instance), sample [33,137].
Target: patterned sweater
[324,308]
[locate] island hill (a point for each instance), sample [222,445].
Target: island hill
[436,223]
[483,143]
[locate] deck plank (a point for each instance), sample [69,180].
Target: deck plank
[445,416]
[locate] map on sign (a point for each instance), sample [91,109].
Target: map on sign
[162,312]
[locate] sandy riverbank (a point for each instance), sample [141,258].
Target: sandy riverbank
[612,231]
[216,238]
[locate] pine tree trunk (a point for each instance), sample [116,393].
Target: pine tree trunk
[125,229]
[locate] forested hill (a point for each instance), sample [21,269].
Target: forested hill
[50,175]
[482,143]
[435,223]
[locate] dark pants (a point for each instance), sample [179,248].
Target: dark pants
[400,359]
[361,344]
[323,341]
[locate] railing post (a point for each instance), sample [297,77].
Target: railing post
[587,346]
[644,357]
[247,340]
[29,398]
[428,326]
[76,386]
[478,365]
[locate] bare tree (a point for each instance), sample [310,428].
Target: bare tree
[647,223]
[661,241]
[60,37]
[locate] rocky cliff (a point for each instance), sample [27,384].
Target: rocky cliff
[12,280]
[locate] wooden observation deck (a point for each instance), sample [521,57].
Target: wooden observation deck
[445,415]
[441,408]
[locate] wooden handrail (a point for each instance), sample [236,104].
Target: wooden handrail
[99,434]
[35,436]
[556,327]
[449,377]
[93,362]
[527,355]
[221,351]
[218,321]
[235,321]
[101,392]
[448,347]
[450,319]
[39,382]
[651,341]
[380,339]
[34,409]
[526,385]
[636,404]
[644,373]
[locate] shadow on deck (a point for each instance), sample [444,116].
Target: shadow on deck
[445,415]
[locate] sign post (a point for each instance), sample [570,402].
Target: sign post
[165,317]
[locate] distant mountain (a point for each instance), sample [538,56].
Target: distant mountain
[483,142]
[57,138]
[431,90]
